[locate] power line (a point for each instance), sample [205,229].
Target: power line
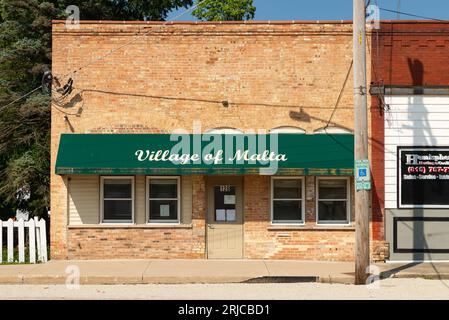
[104,56]
[20,98]
[411,14]
[191,9]
[340,94]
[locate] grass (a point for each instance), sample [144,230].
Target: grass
[16,256]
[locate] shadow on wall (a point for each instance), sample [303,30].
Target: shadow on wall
[422,136]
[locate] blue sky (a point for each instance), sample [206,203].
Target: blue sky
[338,9]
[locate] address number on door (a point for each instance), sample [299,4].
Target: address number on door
[225,188]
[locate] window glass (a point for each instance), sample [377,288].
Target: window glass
[163,209]
[224,203]
[287,200]
[332,210]
[117,200]
[332,189]
[163,188]
[163,200]
[117,210]
[117,188]
[287,189]
[287,210]
[332,201]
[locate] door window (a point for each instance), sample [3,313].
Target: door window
[224,200]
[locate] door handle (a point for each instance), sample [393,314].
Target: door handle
[210,226]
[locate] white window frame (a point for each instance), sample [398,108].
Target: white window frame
[224,130]
[347,200]
[332,130]
[288,129]
[303,206]
[103,221]
[147,199]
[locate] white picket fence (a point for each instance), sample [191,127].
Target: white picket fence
[37,239]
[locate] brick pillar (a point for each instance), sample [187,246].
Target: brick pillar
[199,206]
[256,195]
[58,217]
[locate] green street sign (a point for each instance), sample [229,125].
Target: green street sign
[362,175]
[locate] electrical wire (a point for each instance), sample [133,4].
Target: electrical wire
[384,106]
[20,98]
[104,56]
[340,94]
[178,16]
[131,41]
[411,14]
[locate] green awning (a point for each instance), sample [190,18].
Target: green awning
[165,154]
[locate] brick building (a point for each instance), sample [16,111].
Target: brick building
[256,79]
[410,98]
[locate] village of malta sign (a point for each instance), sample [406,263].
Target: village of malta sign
[205,154]
[216,149]
[239,156]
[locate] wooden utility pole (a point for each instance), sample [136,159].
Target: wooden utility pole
[361,142]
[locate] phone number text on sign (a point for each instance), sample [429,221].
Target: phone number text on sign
[424,170]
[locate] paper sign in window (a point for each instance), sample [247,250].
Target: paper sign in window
[229,199]
[220,215]
[164,210]
[230,215]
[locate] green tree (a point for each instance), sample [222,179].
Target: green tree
[225,10]
[25,54]
[124,9]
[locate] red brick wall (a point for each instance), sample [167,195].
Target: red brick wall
[403,53]
[424,44]
[307,242]
[134,243]
[141,241]
[261,239]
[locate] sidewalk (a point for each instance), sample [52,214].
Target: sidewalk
[425,270]
[205,271]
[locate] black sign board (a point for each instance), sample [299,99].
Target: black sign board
[423,177]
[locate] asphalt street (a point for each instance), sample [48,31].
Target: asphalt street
[407,289]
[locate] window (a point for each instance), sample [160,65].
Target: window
[117,204]
[333,200]
[224,130]
[332,130]
[287,196]
[163,194]
[225,203]
[422,180]
[288,129]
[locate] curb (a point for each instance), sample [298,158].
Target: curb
[108,280]
[444,276]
